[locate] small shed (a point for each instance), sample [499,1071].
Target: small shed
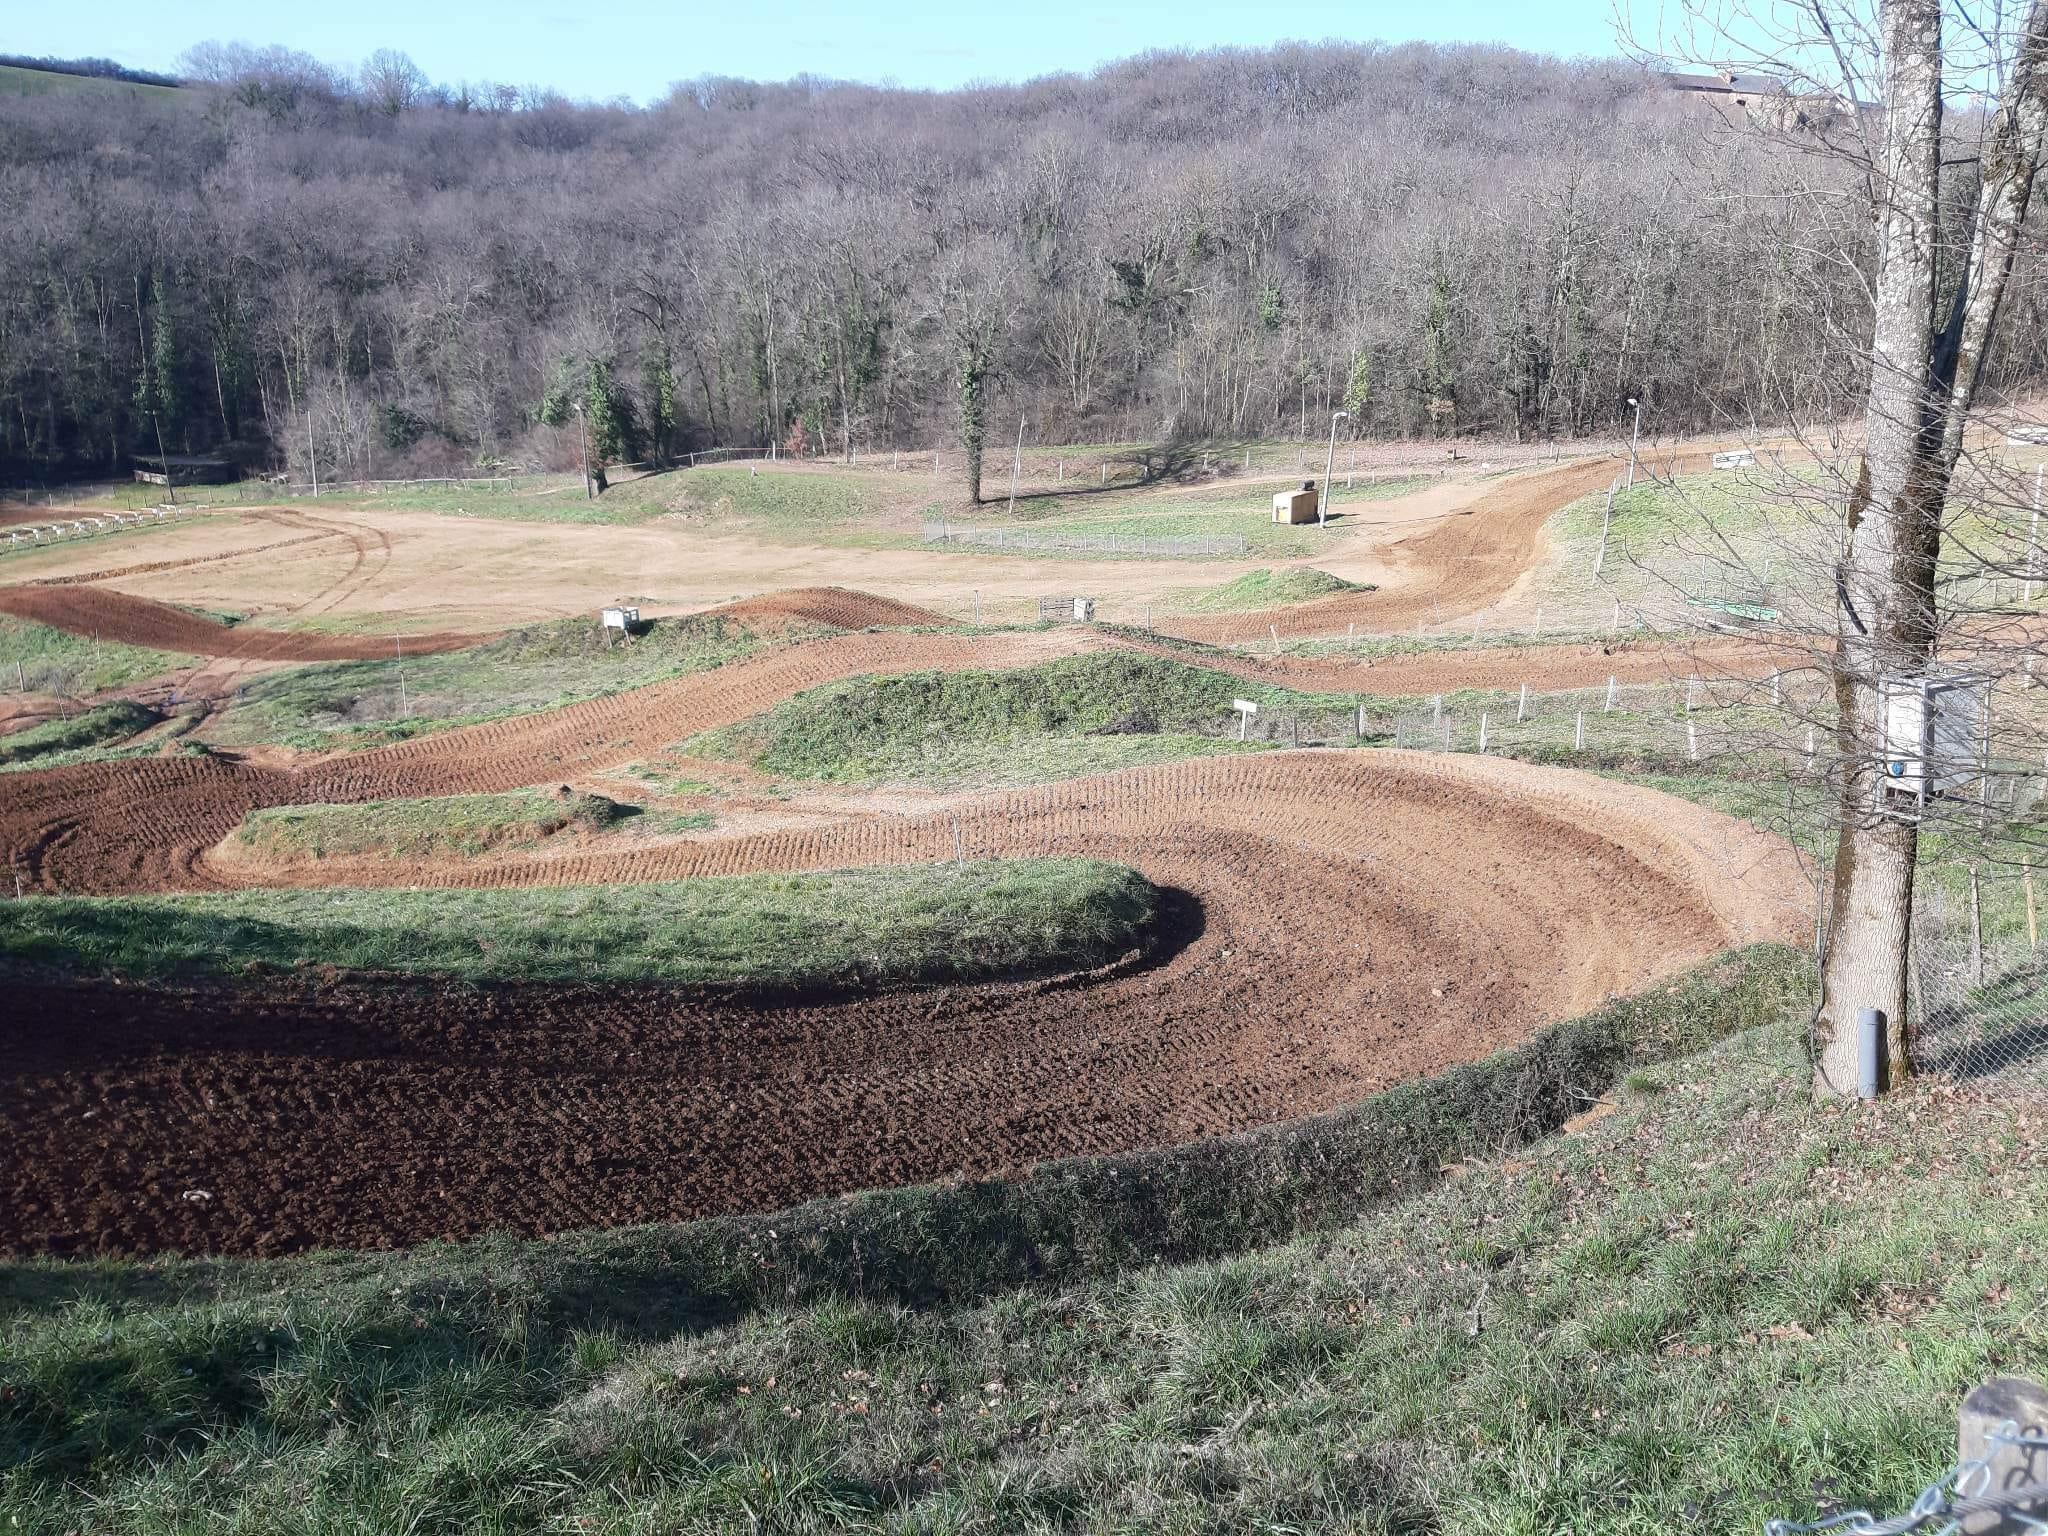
[1299,506]
[176,469]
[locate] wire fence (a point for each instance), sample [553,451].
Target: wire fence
[1024,540]
[1977,977]
[1995,1488]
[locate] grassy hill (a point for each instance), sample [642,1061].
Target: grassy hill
[17,81]
[1710,1303]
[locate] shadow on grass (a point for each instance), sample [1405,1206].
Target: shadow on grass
[1996,1027]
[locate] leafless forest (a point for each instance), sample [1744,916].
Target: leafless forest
[1442,240]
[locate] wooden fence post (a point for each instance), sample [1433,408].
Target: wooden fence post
[1987,1412]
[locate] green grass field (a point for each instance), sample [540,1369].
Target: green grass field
[65,738]
[1075,715]
[887,926]
[36,658]
[461,826]
[17,81]
[1717,1305]
[544,666]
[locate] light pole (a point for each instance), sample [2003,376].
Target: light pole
[1634,433]
[1329,469]
[583,432]
[1016,463]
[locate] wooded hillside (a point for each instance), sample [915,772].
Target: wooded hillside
[1442,240]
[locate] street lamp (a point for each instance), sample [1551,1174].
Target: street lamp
[1329,470]
[1635,433]
[583,432]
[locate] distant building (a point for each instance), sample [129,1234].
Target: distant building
[185,469]
[1761,101]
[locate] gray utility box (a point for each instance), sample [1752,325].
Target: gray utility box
[1935,733]
[1297,506]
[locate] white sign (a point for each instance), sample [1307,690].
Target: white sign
[1245,705]
[621,618]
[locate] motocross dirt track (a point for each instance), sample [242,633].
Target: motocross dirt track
[109,614]
[1460,564]
[1336,922]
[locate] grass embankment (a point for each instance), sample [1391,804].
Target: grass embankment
[884,926]
[776,502]
[1716,1305]
[71,738]
[1269,589]
[459,826]
[544,666]
[1079,714]
[17,81]
[37,658]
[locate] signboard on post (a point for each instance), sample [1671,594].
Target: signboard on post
[1245,710]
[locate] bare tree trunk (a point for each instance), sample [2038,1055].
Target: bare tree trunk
[1884,617]
[1922,387]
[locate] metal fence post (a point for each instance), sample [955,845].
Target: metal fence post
[1869,1053]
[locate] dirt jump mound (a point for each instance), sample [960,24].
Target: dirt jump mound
[131,620]
[828,607]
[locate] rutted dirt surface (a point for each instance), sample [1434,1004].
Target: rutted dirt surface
[832,607]
[1344,921]
[1336,922]
[1459,564]
[129,620]
[146,824]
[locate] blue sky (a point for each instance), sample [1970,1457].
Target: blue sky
[637,47]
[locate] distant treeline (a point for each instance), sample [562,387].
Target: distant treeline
[1439,241]
[98,69]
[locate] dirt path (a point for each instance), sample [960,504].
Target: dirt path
[1445,551]
[1345,921]
[1453,562]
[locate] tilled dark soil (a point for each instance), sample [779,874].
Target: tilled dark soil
[1346,922]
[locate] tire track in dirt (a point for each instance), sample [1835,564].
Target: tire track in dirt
[1352,920]
[1466,561]
[130,620]
[130,825]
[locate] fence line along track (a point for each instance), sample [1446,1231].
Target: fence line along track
[1168,547]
